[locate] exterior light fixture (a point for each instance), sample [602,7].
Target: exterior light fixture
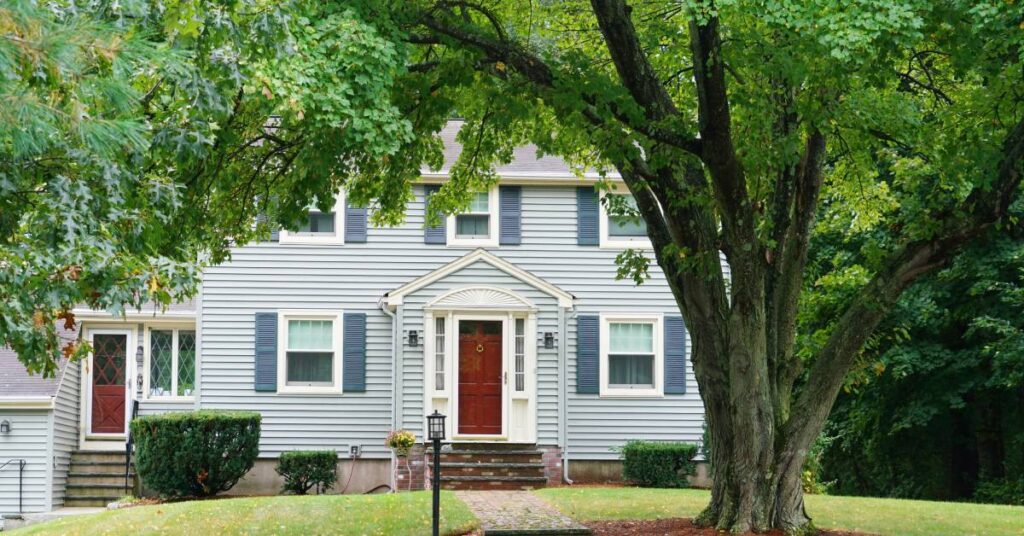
[549,340]
[414,338]
[5,427]
[435,432]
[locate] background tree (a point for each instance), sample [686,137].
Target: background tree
[934,409]
[735,125]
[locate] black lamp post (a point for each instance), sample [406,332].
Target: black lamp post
[435,432]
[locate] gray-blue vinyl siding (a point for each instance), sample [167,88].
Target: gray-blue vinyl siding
[65,430]
[353,278]
[28,440]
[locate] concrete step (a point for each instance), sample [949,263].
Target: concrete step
[75,478]
[90,501]
[111,491]
[97,467]
[97,456]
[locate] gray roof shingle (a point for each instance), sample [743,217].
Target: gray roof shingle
[525,161]
[16,382]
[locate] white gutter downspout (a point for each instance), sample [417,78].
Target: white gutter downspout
[564,388]
[394,383]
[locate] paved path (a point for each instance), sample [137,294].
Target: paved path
[518,512]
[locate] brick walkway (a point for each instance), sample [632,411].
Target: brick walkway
[518,512]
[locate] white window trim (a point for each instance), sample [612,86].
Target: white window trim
[282,352]
[659,355]
[337,239]
[148,362]
[493,224]
[617,242]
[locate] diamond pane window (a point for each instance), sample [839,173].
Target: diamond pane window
[161,362]
[172,362]
[186,363]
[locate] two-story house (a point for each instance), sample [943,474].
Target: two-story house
[508,319]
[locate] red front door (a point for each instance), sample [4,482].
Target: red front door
[109,359]
[480,380]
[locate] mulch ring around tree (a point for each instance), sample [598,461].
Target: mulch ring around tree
[676,527]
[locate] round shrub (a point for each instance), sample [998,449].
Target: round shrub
[304,469]
[195,454]
[658,464]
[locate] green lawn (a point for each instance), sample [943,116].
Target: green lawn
[400,513]
[878,516]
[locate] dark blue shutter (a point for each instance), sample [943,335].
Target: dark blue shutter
[675,355]
[433,235]
[587,215]
[588,358]
[511,215]
[266,352]
[353,370]
[355,224]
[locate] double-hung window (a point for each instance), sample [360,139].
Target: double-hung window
[478,225]
[172,362]
[319,227]
[621,225]
[309,359]
[631,355]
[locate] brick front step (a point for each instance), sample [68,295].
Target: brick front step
[489,456]
[493,469]
[492,482]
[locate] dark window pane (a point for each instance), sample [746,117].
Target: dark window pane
[467,225]
[467,327]
[319,222]
[631,370]
[310,368]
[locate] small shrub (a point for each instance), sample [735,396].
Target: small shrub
[305,469]
[195,454]
[658,464]
[1000,491]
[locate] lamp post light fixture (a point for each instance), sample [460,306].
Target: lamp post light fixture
[435,432]
[5,427]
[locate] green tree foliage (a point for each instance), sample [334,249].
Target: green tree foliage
[737,125]
[935,409]
[135,146]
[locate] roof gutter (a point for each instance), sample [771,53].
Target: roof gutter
[26,402]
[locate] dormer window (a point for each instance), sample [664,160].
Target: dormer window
[478,225]
[324,228]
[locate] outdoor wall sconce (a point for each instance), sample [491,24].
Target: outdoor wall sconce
[549,340]
[5,427]
[414,338]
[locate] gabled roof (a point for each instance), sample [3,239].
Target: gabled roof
[396,297]
[16,384]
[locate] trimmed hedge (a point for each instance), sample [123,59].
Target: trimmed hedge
[195,454]
[304,469]
[658,464]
